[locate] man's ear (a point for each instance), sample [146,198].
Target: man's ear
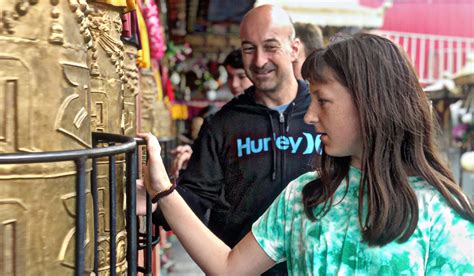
[295,48]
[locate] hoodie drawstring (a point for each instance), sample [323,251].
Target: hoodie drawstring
[273,149]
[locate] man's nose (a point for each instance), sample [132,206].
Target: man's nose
[260,58]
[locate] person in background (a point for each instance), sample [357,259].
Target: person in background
[382,202]
[311,38]
[237,80]
[247,152]
[182,153]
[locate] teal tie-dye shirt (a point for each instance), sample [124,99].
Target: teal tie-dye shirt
[442,244]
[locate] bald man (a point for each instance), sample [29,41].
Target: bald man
[256,144]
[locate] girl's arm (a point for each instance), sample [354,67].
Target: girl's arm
[209,252]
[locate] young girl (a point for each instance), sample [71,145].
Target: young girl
[382,202]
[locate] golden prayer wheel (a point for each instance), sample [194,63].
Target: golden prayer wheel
[44,106]
[164,125]
[155,116]
[106,63]
[130,91]
[106,58]
[148,100]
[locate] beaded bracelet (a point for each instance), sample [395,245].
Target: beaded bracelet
[164,193]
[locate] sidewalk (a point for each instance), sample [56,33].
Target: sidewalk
[183,264]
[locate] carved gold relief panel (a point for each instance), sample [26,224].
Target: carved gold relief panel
[106,57]
[44,77]
[148,100]
[44,106]
[106,64]
[15,93]
[164,125]
[37,226]
[131,90]
[103,217]
[155,116]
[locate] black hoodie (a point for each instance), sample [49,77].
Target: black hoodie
[244,156]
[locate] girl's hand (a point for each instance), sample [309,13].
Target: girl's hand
[141,199]
[156,177]
[181,154]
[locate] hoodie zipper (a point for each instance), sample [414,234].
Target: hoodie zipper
[288,115]
[282,153]
[274,153]
[284,130]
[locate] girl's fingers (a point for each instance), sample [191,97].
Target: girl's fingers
[152,143]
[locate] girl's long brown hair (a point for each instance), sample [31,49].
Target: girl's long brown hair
[398,139]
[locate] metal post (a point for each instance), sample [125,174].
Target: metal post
[149,240]
[131,213]
[112,214]
[80,215]
[95,208]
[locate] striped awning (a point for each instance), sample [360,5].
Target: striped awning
[341,13]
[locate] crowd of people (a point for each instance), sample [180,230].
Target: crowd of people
[325,178]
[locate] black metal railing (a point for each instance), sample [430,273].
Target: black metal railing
[150,238]
[111,146]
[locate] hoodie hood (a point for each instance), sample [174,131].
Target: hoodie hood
[246,102]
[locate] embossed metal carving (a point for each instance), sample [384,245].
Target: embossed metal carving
[106,58]
[106,63]
[155,116]
[44,97]
[131,90]
[164,125]
[148,100]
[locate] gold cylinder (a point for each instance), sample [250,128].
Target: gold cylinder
[164,125]
[130,90]
[44,106]
[106,63]
[106,58]
[148,100]
[155,116]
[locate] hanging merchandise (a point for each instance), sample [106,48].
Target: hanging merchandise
[176,54]
[130,30]
[164,123]
[143,59]
[179,111]
[467,161]
[155,32]
[164,70]
[131,5]
[126,25]
[159,87]
[169,90]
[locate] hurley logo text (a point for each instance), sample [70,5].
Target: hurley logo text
[306,144]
